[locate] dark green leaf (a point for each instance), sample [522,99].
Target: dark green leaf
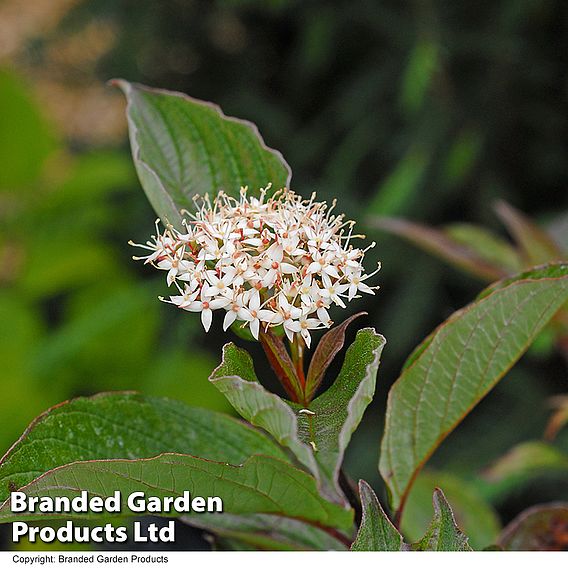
[462,156]
[336,413]
[376,531]
[183,146]
[543,527]
[261,485]
[403,184]
[267,532]
[418,75]
[472,512]
[458,364]
[236,379]
[443,533]
[126,425]
[328,347]
[319,434]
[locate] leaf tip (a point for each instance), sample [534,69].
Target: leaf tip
[121,84]
[439,499]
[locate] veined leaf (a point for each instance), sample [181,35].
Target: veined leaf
[335,414]
[443,533]
[471,510]
[543,527]
[317,435]
[126,425]
[458,364]
[328,347]
[183,146]
[261,485]
[236,379]
[376,531]
[267,532]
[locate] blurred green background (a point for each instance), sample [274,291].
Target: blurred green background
[428,110]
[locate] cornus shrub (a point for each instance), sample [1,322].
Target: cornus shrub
[234,241]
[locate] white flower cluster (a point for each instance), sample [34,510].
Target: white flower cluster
[266,262]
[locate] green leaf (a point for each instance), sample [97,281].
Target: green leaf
[26,139]
[336,413]
[418,74]
[236,379]
[403,183]
[183,146]
[328,347]
[493,249]
[462,156]
[442,245]
[537,246]
[261,485]
[522,464]
[167,375]
[472,512]
[458,364]
[267,532]
[443,534]
[543,527]
[318,435]
[126,425]
[376,531]
[551,271]
[559,418]
[82,263]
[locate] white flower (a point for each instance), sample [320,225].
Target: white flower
[184,299]
[287,315]
[220,286]
[321,310]
[233,309]
[254,315]
[304,324]
[331,291]
[267,262]
[274,266]
[322,264]
[206,308]
[357,283]
[291,244]
[175,265]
